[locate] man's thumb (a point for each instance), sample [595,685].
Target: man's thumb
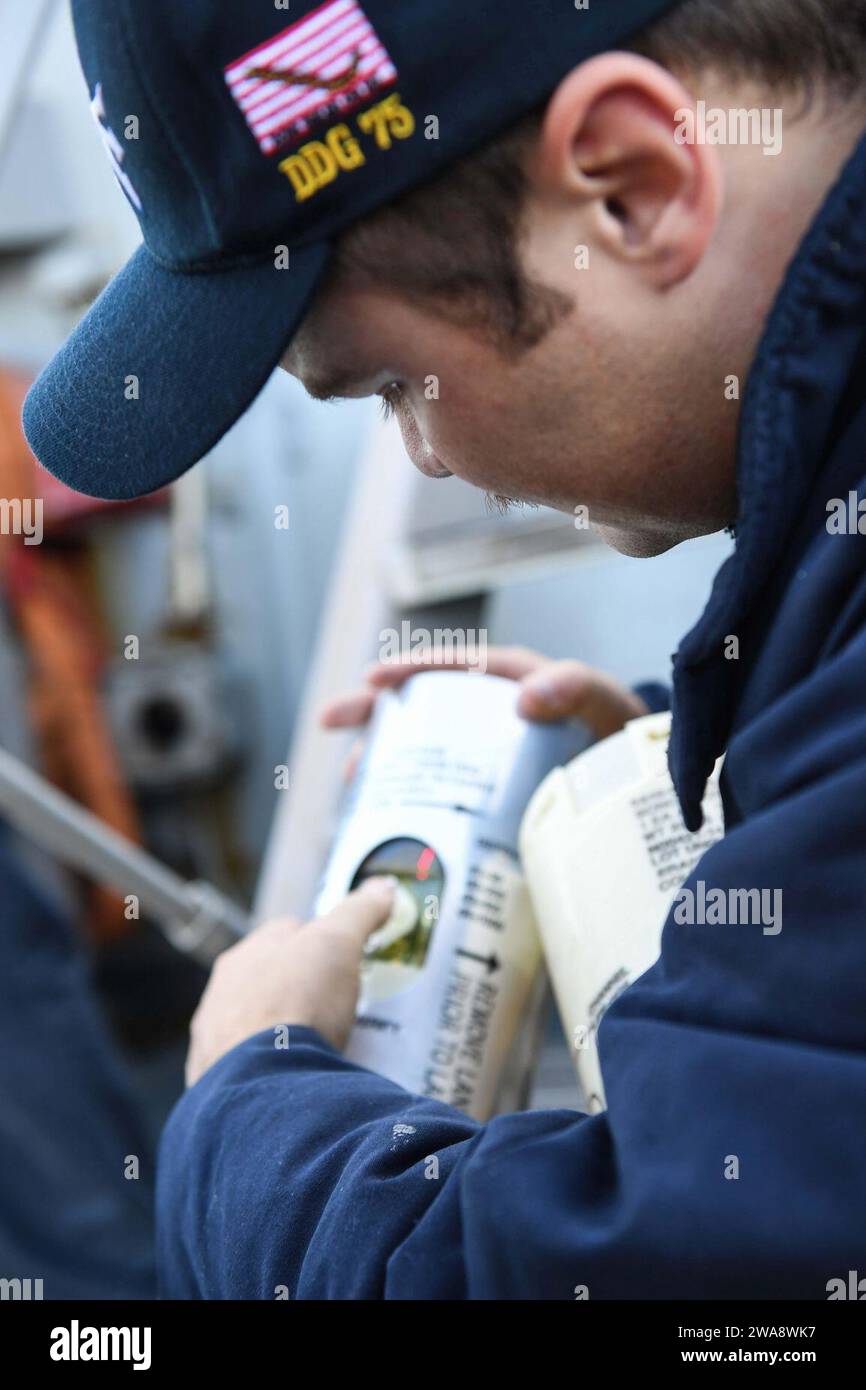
[365,909]
[559,689]
[571,690]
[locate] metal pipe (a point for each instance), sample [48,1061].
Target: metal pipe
[195,917]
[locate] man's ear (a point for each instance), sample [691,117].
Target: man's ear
[608,142]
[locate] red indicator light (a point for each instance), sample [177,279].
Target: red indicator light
[425,864]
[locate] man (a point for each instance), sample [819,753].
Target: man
[632,258]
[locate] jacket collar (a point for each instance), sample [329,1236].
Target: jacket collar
[801,371]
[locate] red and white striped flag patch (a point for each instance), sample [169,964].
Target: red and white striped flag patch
[321,67]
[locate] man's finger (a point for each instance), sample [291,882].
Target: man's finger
[364,910]
[569,690]
[556,690]
[276,925]
[271,926]
[349,710]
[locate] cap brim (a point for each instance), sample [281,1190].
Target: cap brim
[161,366]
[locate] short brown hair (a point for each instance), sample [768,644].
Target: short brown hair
[452,244]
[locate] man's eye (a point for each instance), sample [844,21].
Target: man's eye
[388,399]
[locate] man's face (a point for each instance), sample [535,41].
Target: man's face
[600,414]
[670,256]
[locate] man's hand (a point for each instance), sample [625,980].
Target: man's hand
[549,690]
[286,972]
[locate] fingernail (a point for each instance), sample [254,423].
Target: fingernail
[380,884]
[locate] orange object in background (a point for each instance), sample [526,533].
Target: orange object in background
[56,611]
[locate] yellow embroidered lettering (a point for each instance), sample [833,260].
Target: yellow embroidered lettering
[344,147]
[321,161]
[387,119]
[318,162]
[400,118]
[303,180]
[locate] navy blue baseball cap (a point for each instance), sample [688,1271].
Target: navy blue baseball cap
[247,135]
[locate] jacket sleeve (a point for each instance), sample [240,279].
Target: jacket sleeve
[656,697]
[728,1164]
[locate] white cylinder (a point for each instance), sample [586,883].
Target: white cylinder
[448,772]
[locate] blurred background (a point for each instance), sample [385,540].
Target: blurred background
[241,629]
